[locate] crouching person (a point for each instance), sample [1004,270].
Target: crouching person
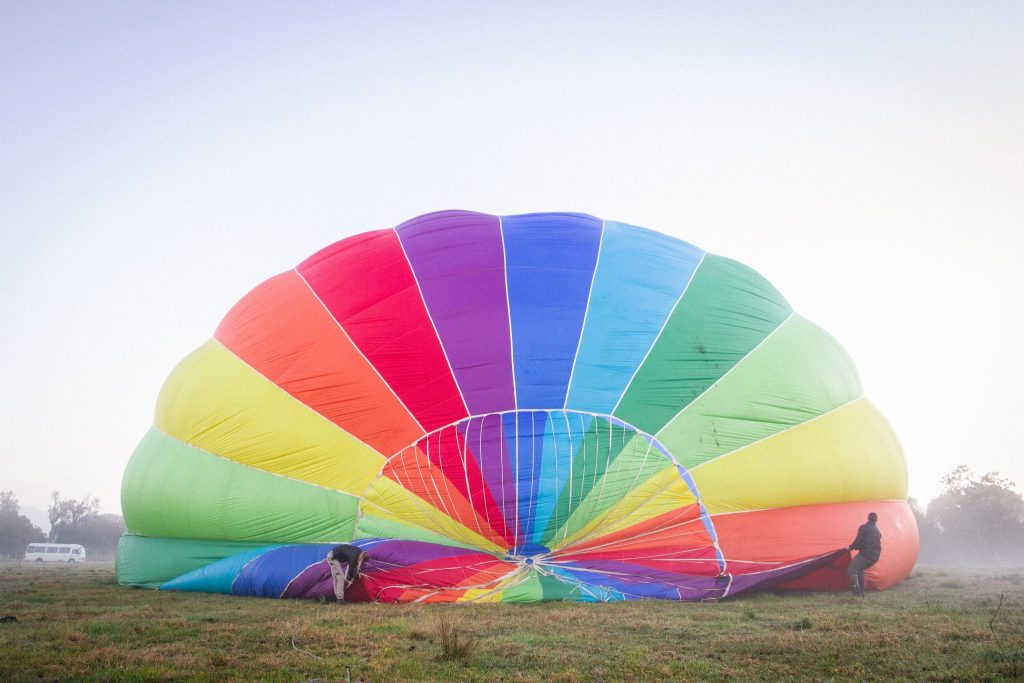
[345,561]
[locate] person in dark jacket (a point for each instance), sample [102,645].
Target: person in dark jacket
[869,543]
[345,561]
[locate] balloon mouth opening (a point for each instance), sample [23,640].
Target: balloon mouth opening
[528,554]
[521,483]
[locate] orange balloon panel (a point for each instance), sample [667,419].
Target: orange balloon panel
[748,539]
[283,331]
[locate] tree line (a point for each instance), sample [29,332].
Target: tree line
[71,521]
[977,520]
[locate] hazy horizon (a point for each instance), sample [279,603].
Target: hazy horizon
[157,161]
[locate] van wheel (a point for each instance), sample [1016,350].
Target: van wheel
[71,561]
[39,559]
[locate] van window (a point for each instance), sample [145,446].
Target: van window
[65,549]
[51,549]
[32,549]
[76,551]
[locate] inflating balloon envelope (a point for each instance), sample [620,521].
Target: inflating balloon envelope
[516,408]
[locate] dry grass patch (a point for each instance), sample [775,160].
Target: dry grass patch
[455,645]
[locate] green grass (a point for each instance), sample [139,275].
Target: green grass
[76,623]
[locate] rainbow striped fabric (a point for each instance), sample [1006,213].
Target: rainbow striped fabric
[516,408]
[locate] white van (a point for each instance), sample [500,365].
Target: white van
[55,552]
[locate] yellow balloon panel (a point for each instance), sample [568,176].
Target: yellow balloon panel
[662,493]
[387,500]
[217,403]
[850,454]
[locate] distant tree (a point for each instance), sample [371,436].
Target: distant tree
[975,520]
[927,531]
[16,531]
[100,534]
[67,513]
[80,521]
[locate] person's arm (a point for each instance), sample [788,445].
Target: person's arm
[856,545]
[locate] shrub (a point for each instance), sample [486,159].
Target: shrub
[455,646]
[802,625]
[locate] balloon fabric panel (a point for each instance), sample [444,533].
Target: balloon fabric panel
[549,266]
[388,499]
[846,455]
[151,561]
[725,312]
[458,260]
[284,332]
[171,487]
[219,404]
[640,276]
[559,443]
[750,539]
[368,286]
[638,474]
[216,577]
[797,373]
[524,438]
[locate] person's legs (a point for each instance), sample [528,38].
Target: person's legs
[338,573]
[856,573]
[860,576]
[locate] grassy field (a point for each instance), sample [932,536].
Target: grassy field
[76,623]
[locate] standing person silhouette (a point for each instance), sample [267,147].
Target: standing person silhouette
[869,543]
[345,561]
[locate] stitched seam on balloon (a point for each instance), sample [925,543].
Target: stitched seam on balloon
[448,484]
[484,487]
[604,474]
[597,464]
[498,588]
[433,326]
[279,388]
[431,591]
[728,372]
[380,473]
[423,482]
[459,443]
[508,308]
[709,523]
[416,498]
[515,479]
[788,507]
[437,532]
[359,350]
[586,313]
[631,487]
[292,580]
[781,431]
[568,552]
[257,469]
[610,522]
[239,574]
[664,324]
[447,481]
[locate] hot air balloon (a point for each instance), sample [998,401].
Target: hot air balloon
[517,408]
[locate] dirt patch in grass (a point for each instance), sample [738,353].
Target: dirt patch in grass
[921,629]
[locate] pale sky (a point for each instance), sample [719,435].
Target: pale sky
[159,159]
